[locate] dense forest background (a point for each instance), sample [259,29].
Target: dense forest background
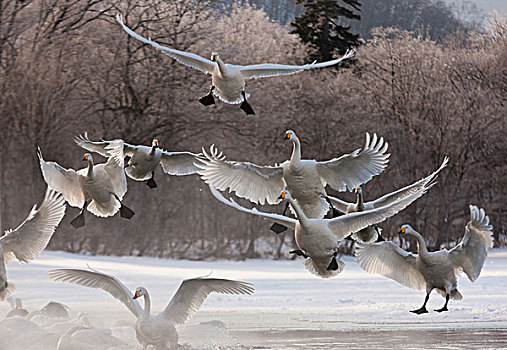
[431,84]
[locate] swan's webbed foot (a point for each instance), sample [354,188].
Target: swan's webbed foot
[419,311]
[208,100]
[245,106]
[299,252]
[444,308]
[277,228]
[126,212]
[79,221]
[333,265]
[379,236]
[151,181]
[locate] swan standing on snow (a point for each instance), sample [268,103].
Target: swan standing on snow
[144,159]
[431,270]
[305,179]
[157,330]
[371,233]
[16,308]
[317,239]
[98,188]
[228,80]
[30,238]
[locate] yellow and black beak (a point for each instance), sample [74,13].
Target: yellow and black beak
[287,136]
[357,190]
[282,195]
[402,231]
[136,295]
[85,157]
[213,58]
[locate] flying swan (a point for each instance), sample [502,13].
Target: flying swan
[157,330]
[30,238]
[144,159]
[305,179]
[431,270]
[372,233]
[228,80]
[317,239]
[98,187]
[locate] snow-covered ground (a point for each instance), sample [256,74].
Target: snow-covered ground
[290,309]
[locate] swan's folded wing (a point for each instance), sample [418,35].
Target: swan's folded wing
[65,181]
[30,238]
[186,58]
[389,260]
[283,220]
[351,170]
[344,225]
[115,167]
[100,147]
[426,182]
[271,70]
[472,251]
[100,280]
[192,293]
[179,163]
[259,184]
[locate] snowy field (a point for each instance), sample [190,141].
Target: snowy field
[290,309]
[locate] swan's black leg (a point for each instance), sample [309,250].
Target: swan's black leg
[208,99]
[422,309]
[279,228]
[299,252]
[79,221]
[444,308]
[125,212]
[245,106]
[379,236]
[151,181]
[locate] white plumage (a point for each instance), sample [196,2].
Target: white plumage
[31,237]
[157,330]
[431,270]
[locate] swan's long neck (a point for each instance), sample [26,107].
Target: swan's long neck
[360,202]
[90,168]
[147,306]
[153,150]
[295,159]
[300,214]
[420,242]
[222,67]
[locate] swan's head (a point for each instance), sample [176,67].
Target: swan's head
[290,135]
[87,157]
[154,143]
[214,57]
[285,195]
[140,291]
[18,304]
[358,190]
[405,229]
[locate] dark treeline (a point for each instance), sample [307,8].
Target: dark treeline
[67,68]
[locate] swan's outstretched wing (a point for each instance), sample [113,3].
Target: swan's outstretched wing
[100,147]
[65,181]
[30,238]
[351,170]
[339,204]
[100,280]
[472,251]
[115,167]
[192,293]
[186,58]
[272,70]
[283,220]
[259,184]
[344,225]
[179,163]
[389,260]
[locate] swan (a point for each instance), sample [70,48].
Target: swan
[16,308]
[157,330]
[30,238]
[317,239]
[228,80]
[305,179]
[371,233]
[431,270]
[144,160]
[98,188]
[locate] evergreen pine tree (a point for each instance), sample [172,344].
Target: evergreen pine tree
[321,26]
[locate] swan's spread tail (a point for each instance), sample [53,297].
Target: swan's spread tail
[319,268]
[7,291]
[104,209]
[455,294]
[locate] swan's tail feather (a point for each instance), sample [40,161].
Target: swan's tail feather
[320,269]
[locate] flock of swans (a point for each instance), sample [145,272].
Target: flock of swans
[100,189]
